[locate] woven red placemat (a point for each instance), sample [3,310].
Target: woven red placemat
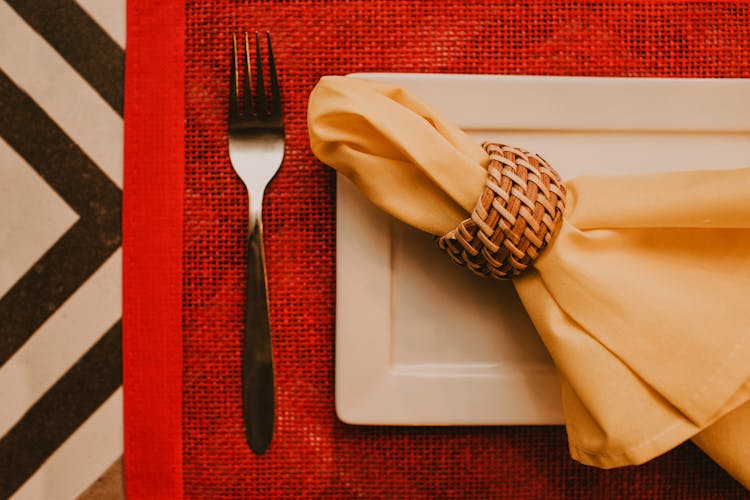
[313,454]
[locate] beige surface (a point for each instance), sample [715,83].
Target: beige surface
[109,486]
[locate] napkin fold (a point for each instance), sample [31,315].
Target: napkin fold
[641,298]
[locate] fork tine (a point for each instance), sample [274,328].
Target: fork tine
[247,87]
[275,92]
[260,97]
[233,111]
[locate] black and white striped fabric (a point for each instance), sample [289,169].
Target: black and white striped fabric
[61,107]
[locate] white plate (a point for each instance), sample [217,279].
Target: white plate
[416,343]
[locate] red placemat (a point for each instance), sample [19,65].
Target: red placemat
[313,454]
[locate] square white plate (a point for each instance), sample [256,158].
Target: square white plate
[420,341]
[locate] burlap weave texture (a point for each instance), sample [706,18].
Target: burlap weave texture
[313,455]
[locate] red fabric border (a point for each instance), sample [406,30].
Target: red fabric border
[152,249]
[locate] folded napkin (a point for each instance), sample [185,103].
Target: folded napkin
[641,298]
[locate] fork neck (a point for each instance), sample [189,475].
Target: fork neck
[255,222]
[255,210]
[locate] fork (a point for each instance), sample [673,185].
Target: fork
[256,150]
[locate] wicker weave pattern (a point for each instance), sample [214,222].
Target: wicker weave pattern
[517,215]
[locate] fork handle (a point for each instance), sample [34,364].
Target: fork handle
[257,374]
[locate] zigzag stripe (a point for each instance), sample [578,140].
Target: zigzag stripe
[58,413]
[78,253]
[85,188]
[81,42]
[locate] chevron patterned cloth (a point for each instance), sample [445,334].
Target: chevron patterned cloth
[61,170]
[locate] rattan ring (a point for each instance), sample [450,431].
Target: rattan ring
[518,214]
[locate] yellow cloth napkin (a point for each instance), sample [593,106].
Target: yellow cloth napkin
[642,299]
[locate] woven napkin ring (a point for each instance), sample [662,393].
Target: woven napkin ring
[518,214]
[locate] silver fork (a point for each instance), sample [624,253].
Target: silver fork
[256,149]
